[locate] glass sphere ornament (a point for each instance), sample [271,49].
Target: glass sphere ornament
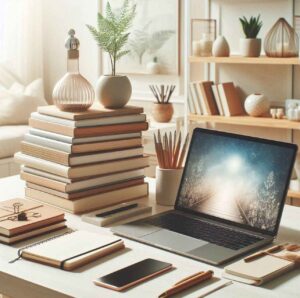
[73,92]
[282,40]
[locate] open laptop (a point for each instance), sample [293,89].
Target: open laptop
[229,202]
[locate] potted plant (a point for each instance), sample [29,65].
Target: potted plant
[111,35]
[250,46]
[162,109]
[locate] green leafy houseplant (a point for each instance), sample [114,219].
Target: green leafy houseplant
[112,33]
[251,27]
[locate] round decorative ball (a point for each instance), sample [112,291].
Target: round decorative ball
[257,105]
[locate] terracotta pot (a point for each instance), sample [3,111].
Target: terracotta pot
[113,92]
[162,112]
[250,47]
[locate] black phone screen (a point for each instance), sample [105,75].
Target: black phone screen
[133,272]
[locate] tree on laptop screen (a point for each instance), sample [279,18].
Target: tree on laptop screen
[235,179]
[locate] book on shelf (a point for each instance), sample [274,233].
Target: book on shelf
[191,106]
[200,98]
[218,99]
[90,122]
[230,100]
[71,140]
[208,97]
[69,159]
[195,99]
[90,203]
[40,219]
[83,148]
[92,113]
[86,192]
[88,170]
[74,185]
[88,131]
[71,250]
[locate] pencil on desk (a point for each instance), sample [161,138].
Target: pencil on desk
[187,283]
[262,253]
[183,151]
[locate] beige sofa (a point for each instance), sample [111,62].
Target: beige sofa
[10,141]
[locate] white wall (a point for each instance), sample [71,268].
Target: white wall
[58,17]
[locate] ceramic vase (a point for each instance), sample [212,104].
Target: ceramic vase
[257,105]
[167,183]
[250,47]
[153,67]
[221,47]
[113,92]
[162,112]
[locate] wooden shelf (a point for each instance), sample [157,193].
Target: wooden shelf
[246,60]
[293,194]
[247,121]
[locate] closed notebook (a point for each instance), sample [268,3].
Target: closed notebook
[74,185]
[38,216]
[77,159]
[258,271]
[88,131]
[72,250]
[96,111]
[87,192]
[85,140]
[92,202]
[83,170]
[83,148]
[90,122]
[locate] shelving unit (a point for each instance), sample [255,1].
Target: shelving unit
[247,121]
[245,60]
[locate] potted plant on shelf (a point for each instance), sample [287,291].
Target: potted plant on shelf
[250,46]
[162,109]
[111,35]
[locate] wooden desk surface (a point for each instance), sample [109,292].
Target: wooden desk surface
[27,279]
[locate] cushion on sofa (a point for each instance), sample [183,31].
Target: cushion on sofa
[17,103]
[10,139]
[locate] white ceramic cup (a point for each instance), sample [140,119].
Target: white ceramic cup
[167,183]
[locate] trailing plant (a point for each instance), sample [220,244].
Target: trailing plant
[112,33]
[252,26]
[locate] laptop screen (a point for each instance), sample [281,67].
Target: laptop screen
[238,179]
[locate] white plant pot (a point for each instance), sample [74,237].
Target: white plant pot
[257,105]
[250,47]
[113,92]
[220,47]
[167,184]
[153,67]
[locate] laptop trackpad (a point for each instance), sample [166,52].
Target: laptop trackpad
[174,240]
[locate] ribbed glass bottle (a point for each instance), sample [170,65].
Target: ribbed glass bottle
[73,92]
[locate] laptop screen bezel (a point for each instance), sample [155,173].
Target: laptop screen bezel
[222,220]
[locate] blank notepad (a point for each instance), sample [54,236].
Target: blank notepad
[73,249]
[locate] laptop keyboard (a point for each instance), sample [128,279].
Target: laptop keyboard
[219,235]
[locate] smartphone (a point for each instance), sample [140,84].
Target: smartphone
[133,274]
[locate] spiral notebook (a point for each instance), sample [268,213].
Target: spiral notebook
[72,249]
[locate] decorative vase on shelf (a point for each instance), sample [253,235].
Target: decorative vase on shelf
[221,47]
[257,105]
[162,112]
[73,92]
[203,47]
[113,92]
[282,40]
[153,67]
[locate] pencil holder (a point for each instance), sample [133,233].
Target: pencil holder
[167,183]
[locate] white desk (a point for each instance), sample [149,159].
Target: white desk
[27,279]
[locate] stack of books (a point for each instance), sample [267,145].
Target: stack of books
[84,161]
[207,98]
[22,219]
